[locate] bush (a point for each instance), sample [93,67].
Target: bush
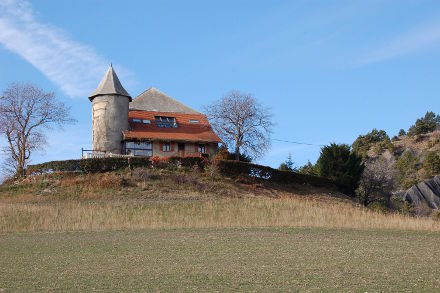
[141,174]
[426,124]
[339,164]
[236,169]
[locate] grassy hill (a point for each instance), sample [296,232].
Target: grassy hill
[184,230]
[161,198]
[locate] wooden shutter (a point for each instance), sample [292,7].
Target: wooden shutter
[171,146]
[196,149]
[206,149]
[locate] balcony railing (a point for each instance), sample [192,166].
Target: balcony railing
[95,154]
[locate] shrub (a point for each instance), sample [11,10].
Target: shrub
[140,174]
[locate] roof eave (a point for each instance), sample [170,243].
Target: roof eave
[112,94]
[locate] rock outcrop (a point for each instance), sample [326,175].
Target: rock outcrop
[425,193]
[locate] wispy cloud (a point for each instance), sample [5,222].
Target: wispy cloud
[76,68]
[420,38]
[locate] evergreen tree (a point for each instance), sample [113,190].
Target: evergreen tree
[407,170]
[288,165]
[338,163]
[308,169]
[432,164]
[363,143]
[426,124]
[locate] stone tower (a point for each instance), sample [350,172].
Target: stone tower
[110,103]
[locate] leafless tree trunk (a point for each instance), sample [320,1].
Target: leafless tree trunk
[25,112]
[242,123]
[377,181]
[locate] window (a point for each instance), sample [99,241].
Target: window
[146,121]
[139,148]
[166,147]
[202,148]
[193,121]
[167,122]
[135,120]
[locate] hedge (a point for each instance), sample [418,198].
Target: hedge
[228,168]
[88,165]
[110,164]
[235,169]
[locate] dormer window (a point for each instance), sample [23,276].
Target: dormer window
[194,121]
[146,121]
[135,120]
[164,121]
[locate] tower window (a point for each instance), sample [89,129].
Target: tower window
[193,121]
[146,121]
[135,120]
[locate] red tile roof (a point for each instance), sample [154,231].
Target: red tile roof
[186,131]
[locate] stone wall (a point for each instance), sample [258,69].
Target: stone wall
[109,120]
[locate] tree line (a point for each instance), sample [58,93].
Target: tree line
[370,169]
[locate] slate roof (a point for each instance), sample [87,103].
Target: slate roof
[186,131]
[155,100]
[110,85]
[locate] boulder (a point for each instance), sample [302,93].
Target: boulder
[424,193]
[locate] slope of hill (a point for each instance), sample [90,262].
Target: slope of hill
[146,198]
[416,161]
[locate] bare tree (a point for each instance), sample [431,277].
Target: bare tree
[377,181]
[25,112]
[242,123]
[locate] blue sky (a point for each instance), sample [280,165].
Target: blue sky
[330,70]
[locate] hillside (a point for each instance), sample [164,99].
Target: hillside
[184,229]
[415,161]
[150,198]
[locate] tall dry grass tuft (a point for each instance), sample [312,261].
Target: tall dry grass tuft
[250,212]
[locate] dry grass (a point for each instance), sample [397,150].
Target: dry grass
[170,199]
[238,213]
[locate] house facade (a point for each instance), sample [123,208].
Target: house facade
[151,124]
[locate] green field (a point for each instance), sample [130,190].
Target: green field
[257,259]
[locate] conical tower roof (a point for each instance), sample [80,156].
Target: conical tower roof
[110,85]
